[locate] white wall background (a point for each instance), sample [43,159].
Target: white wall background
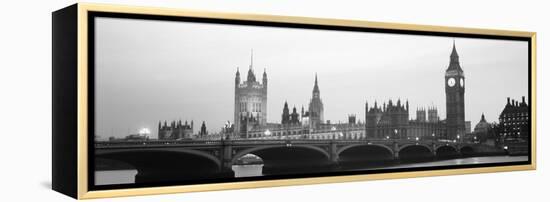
[25,100]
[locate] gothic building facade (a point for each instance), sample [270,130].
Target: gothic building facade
[430,128]
[308,124]
[288,118]
[316,110]
[250,102]
[176,130]
[387,121]
[454,91]
[391,120]
[514,121]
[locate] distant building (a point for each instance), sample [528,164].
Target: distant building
[250,102]
[514,121]
[131,137]
[176,130]
[203,132]
[481,131]
[389,121]
[454,92]
[392,121]
[433,117]
[421,115]
[482,126]
[288,118]
[316,110]
[427,130]
[305,125]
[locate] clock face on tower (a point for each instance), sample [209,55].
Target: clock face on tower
[451,82]
[461,82]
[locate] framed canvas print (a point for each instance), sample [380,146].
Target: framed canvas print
[155,100]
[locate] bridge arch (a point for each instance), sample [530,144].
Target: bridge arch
[446,151]
[364,155]
[417,145]
[286,159]
[212,158]
[467,150]
[167,164]
[344,148]
[414,152]
[255,150]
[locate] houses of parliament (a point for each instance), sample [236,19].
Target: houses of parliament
[385,120]
[388,120]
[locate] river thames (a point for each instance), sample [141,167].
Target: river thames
[127,176]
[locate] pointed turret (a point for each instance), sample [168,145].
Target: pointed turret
[454,62]
[285,119]
[316,86]
[237,77]
[454,53]
[203,131]
[251,77]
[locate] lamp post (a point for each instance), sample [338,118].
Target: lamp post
[395,134]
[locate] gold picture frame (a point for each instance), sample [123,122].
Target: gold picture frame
[75,20]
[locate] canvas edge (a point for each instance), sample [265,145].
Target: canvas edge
[85,193]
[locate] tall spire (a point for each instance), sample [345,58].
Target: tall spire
[454,62]
[454,53]
[316,87]
[237,77]
[251,77]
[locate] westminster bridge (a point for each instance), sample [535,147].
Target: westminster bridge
[188,159]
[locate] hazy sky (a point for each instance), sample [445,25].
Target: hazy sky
[149,70]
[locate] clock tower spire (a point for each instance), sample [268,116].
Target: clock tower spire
[454,91]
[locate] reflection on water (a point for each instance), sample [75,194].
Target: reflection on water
[115,177]
[127,176]
[465,161]
[248,170]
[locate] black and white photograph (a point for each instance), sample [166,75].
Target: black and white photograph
[189,102]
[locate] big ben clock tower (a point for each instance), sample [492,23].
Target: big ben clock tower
[454,91]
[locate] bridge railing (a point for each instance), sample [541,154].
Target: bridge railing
[103,144]
[157,142]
